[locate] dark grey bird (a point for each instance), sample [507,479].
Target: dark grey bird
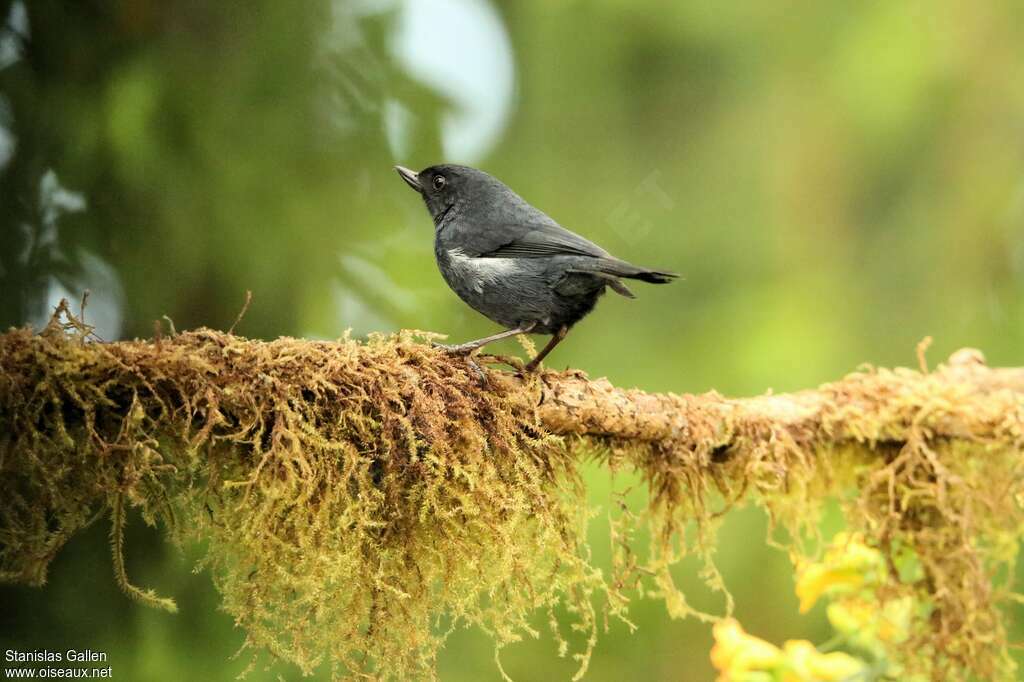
[511,262]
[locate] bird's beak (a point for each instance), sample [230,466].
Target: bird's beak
[411,178]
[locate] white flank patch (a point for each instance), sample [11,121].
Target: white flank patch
[480,271]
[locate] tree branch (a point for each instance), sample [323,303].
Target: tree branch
[385,485]
[963,399]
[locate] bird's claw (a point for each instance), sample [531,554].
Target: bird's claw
[479,370]
[456,348]
[465,349]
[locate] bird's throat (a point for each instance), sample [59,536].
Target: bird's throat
[443,214]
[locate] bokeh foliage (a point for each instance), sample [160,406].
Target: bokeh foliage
[841,181]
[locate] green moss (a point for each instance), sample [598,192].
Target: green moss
[361,500]
[355,497]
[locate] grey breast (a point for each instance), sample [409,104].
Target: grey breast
[508,291]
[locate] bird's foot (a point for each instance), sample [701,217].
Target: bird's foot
[477,369]
[465,349]
[456,348]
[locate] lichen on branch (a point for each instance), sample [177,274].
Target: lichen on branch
[362,499]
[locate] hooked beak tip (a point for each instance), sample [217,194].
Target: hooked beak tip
[411,178]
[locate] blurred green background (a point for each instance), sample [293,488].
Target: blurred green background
[833,180]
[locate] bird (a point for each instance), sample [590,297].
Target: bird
[511,262]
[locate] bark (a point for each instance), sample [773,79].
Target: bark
[968,400]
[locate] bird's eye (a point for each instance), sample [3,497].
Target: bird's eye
[439,182]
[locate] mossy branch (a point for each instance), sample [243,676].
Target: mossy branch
[962,399]
[362,499]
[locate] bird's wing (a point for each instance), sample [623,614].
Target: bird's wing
[535,240]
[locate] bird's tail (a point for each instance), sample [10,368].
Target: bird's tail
[612,269]
[620,268]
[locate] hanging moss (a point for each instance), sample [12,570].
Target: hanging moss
[355,497]
[361,500]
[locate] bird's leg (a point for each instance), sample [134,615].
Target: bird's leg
[555,340]
[471,346]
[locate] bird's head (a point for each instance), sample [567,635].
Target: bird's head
[448,188]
